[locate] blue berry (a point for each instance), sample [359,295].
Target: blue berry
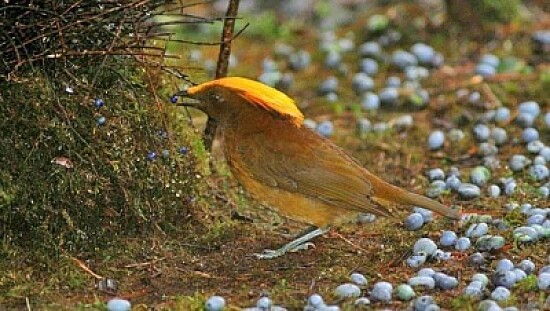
[416,73]
[98,103]
[427,215]
[214,303]
[101,120]
[529,134]
[518,162]
[468,191]
[414,222]
[361,302]
[480,175]
[393,81]
[446,282]
[269,65]
[453,182]
[436,140]
[404,292]
[494,191]
[403,59]
[118,304]
[423,52]
[347,290]
[333,60]
[526,234]
[151,155]
[473,291]
[359,279]
[174,99]
[436,188]
[525,119]
[481,279]
[370,101]
[388,96]
[500,293]
[183,150]
[315,301]
[426,272]
[477,230]
[436,174]
[490,60]
[499,135]
[422,302]
[485,70]
[529,107]
[416,261]
[504,278]
[424,246]
[502,115]
[362,83]
[504,265]
[264,303]
[370,49]
[382,291]
[539,172]
[481,132]
[448,238]
[330,85]
[536,219]
[325,128]
[543,281]
[463,244]
[424,281]
[270,78]
[368,66]
[299,60]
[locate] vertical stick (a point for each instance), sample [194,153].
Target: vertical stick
[223,63]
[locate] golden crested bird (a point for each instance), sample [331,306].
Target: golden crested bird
[287,166]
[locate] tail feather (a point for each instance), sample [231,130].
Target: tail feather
[388,192]
[422,201]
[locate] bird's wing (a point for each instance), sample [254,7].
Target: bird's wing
[311,166]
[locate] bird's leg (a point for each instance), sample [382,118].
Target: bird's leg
[302,242]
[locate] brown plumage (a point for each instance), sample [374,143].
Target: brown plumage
[303,176]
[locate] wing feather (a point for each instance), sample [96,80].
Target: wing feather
[304,163]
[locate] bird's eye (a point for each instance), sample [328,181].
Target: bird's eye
[216,97]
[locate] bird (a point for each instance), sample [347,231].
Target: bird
[289,167]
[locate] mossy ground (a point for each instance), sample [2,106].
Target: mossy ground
[203,245]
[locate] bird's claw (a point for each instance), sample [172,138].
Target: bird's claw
[268,254]
[301,247]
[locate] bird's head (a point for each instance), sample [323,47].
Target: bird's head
[230,97]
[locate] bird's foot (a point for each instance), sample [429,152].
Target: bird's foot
[298,244]
[270,253]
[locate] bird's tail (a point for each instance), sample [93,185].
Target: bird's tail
[389,192]
[422,201]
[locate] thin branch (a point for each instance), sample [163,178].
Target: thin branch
[223,64]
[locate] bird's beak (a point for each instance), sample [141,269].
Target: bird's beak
[189,100]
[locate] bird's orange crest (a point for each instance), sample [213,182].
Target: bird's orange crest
[257,94]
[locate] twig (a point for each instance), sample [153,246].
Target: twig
[223,64]
[28,303]
[357,247]
[85,268]
[493,99]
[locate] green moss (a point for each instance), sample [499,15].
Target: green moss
[528,284]
[501,11]
[464,303]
